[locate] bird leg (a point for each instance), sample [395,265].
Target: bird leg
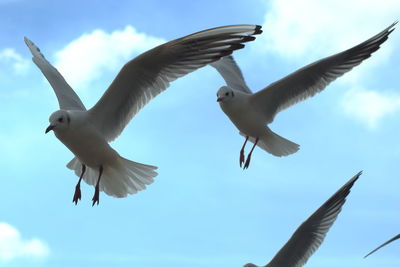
[241,160]
[96,196]
[77,195]
[246,165]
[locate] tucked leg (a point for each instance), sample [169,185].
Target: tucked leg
[241,160]
[246,165]
[77,195]
[96,196]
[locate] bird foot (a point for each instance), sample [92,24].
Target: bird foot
[246,165]
[96,196]
[241,160]
[77,195]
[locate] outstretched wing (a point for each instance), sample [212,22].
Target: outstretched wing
[309,236]
[314,77]
[231,73]
[150,73]
[67,98]
[384,244]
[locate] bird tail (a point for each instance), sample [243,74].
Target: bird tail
[275,144]
[122,179]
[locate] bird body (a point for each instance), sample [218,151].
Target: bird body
[242,114]
[251,112]
[86,133]
[84,141]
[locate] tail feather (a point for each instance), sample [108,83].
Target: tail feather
[127,177]
[275,144]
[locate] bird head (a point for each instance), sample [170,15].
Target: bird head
[59,120]
[225,94]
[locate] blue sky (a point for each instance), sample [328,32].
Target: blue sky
[202,210]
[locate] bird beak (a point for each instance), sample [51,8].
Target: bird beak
[219,99]
[48,129]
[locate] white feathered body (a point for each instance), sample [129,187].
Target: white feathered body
[243,115]
[120,176]
[252,123]
[87,144]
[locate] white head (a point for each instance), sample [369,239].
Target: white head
[225,94]
[59,120]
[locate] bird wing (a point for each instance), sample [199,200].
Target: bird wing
[67,98]
[231,73]
[309,236]
[384,244]
[144,77]
[314,77]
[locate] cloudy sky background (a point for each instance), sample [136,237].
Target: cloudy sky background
[202,210]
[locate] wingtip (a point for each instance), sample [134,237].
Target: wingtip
[258,29]
[351,182]
[384,244]
[391,27]
[27,41]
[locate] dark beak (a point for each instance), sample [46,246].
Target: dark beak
[219,99]
[48,129]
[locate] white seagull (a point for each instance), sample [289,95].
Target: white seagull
[311,233]
[251,112]
[384,244]
[87,132]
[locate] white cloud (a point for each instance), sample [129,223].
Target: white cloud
[12,246]
[370,106]
[90,55]
[307,30]
[19,64]
[313,28]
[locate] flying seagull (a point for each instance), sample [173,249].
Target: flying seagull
[251,112]
[87,132]
[311,233]
[384,244]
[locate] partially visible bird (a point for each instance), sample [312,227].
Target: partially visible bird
[251,112]
[384,244]
[311,233]
[86,133]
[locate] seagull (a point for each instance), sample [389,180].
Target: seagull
[311,233]
[87,133]
[384,244]
[251,112]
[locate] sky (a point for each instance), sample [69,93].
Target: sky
[203,210]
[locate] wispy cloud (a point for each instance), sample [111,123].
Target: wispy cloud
[369,106]
[18,63]
[12,246]
[90,55]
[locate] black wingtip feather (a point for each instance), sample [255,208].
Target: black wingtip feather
[258,30]
[248,38]
[237,46]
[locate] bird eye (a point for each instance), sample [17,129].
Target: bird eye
[226,93]
[60,119]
